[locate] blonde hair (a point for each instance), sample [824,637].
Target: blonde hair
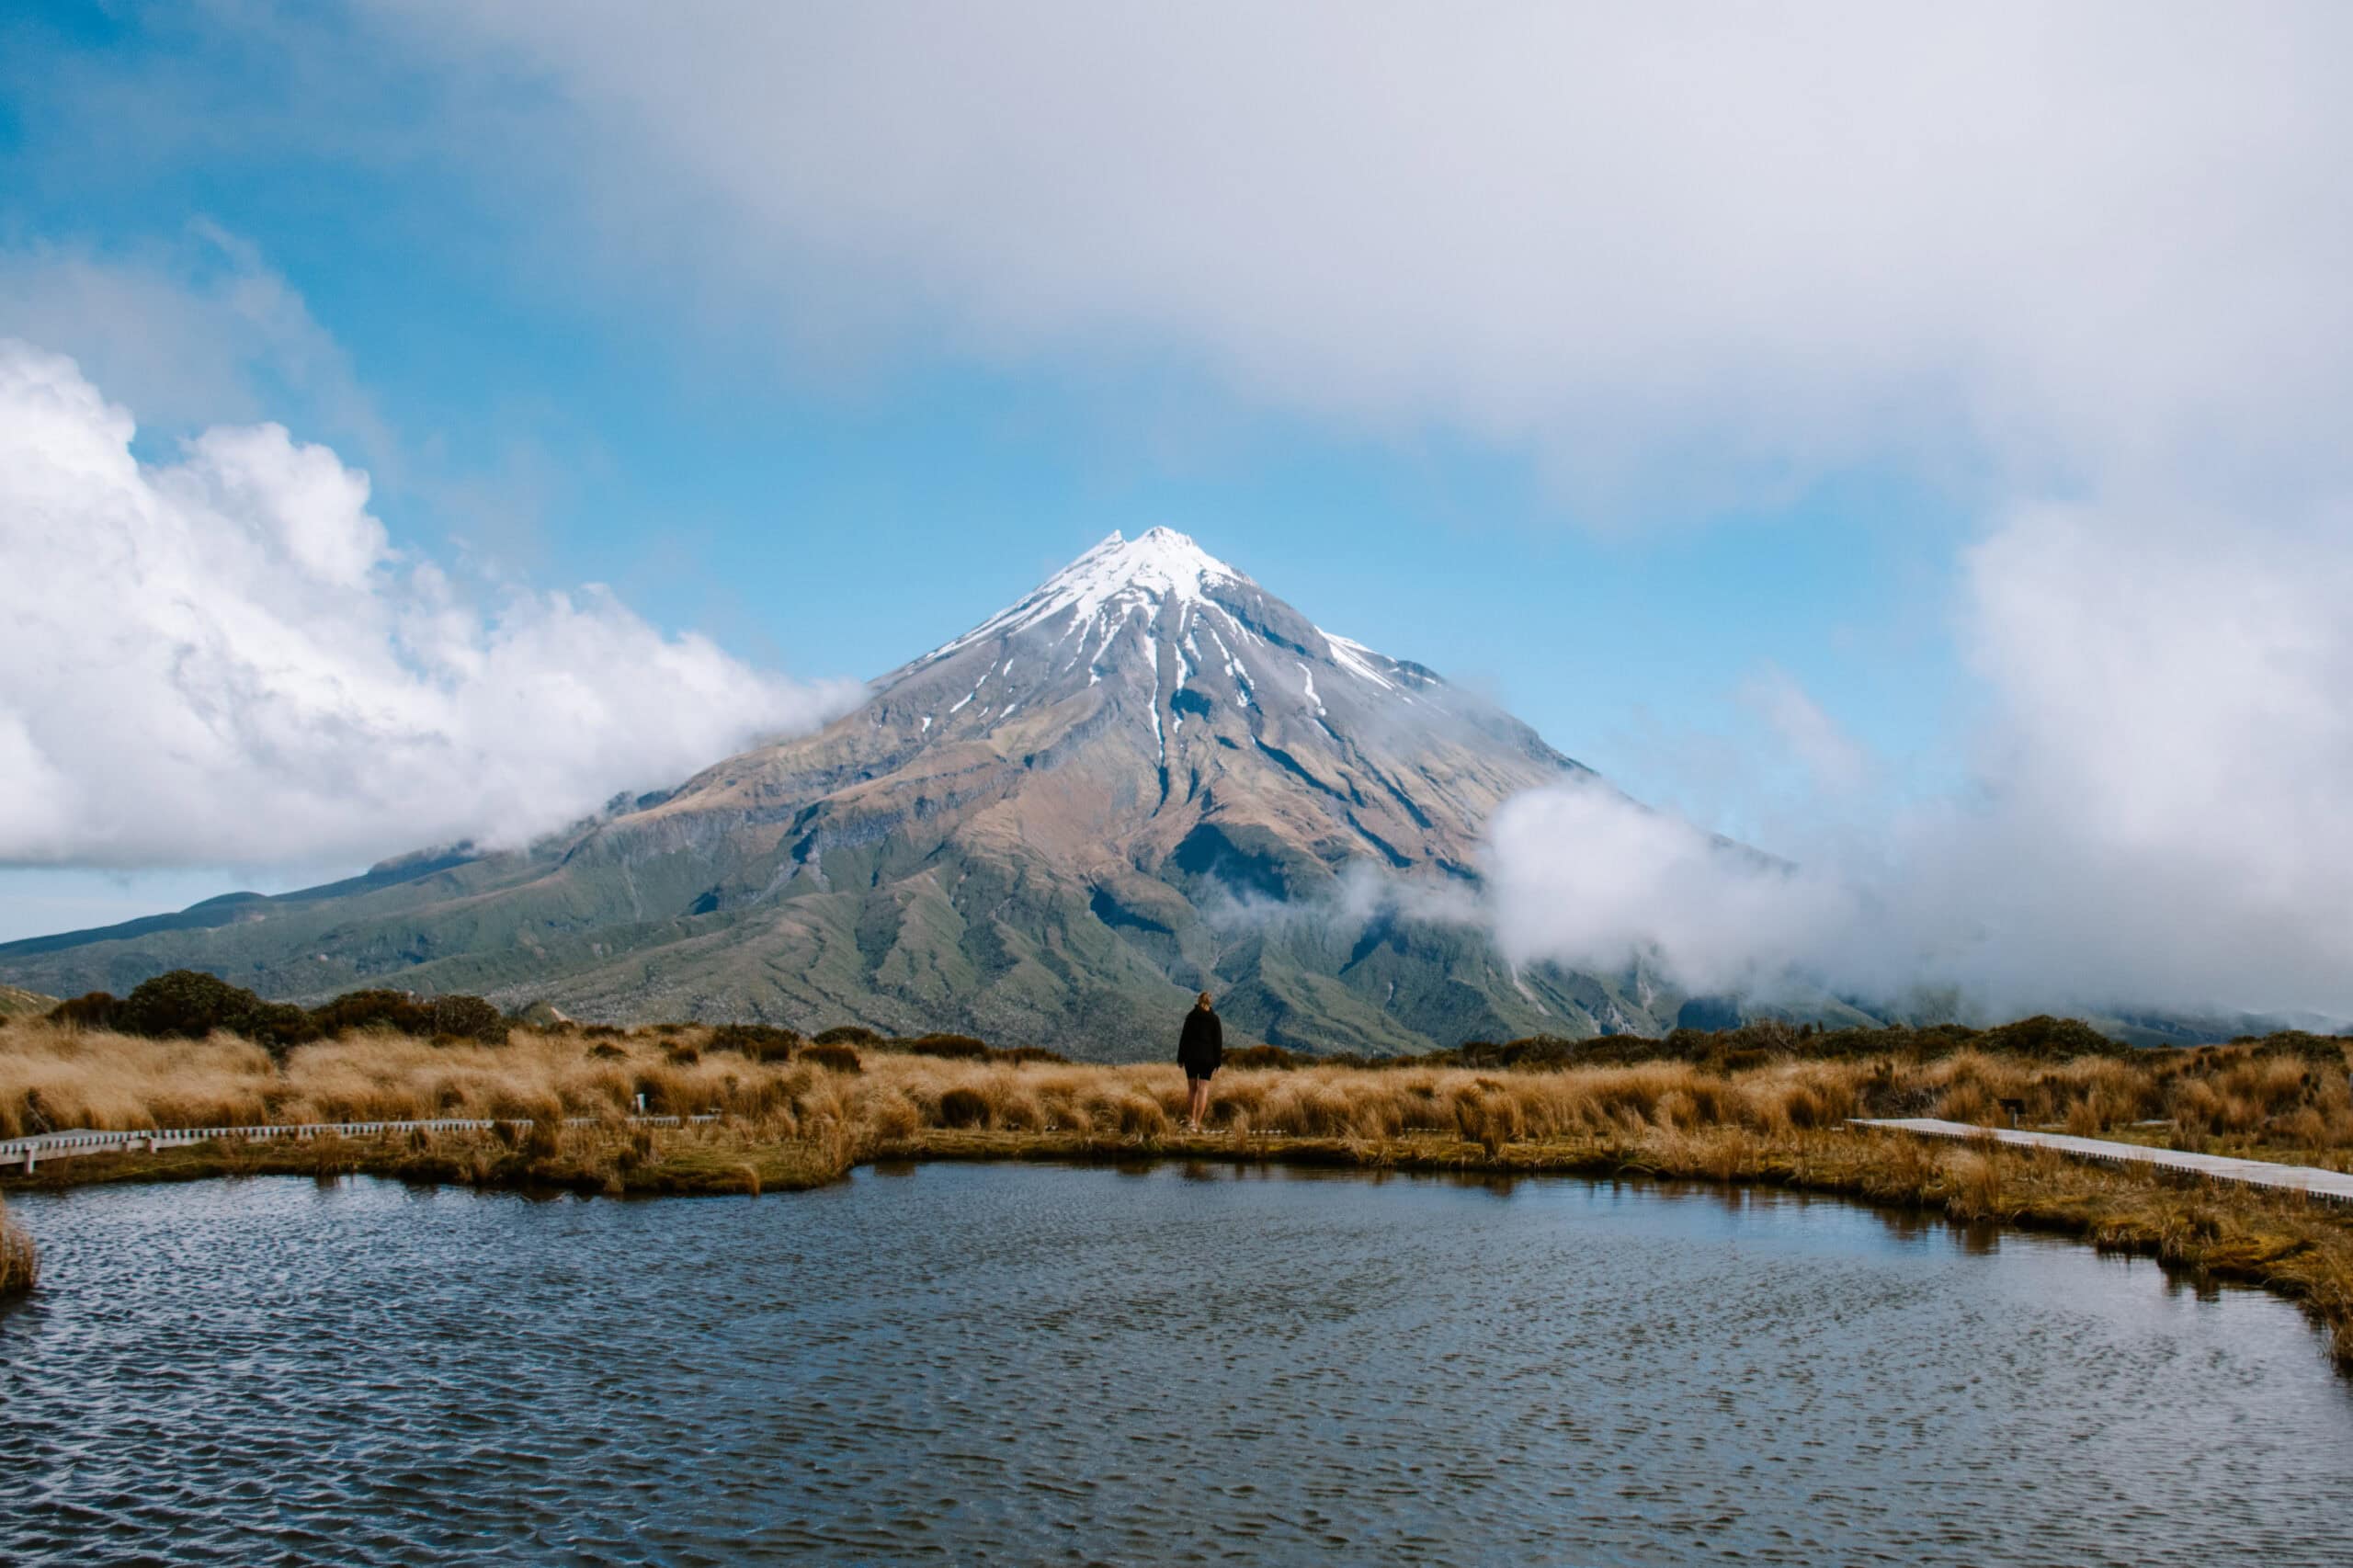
[1203,1000]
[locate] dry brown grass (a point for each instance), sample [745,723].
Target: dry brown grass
[792,1124]
[19,1263]
[65,1077]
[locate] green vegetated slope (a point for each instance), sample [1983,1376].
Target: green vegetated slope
[1009,953]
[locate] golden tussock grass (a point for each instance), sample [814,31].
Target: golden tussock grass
[794,1123]
[19,1263]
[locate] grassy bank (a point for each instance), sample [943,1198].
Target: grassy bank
[793,1116]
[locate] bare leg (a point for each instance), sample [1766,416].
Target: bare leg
[1199,1110]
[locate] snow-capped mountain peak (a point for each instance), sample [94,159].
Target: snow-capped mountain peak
[1207,688]
[1170,629]
[1159,568]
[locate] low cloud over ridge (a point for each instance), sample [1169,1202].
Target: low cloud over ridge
[222,659]
[2159,818]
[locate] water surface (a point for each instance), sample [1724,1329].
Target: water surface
[1021,1364]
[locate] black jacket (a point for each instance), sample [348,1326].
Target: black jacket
[1202,1045]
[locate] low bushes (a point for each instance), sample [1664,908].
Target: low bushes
[188,1003]
[395,1010]
[458,1018]
[91,1010]
[2041,1038]
[964,1048]
[761,1043]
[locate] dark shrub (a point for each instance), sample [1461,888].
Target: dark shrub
[606,1052]
[832,1058]
[963,1107]
[761,1043]
[190,1004]
[372,1010]
[604,1031]
[2052,1038]
[1020,1053]
[456,1018]
[949,1046]
[964,1048]
[2317,1049]
[1263,1056]
[468,1017]
[278,1026]
[848,1034]
[91,1010]
[682,1053]
[185,1002]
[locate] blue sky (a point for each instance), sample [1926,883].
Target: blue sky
[1678,379]
[836,521]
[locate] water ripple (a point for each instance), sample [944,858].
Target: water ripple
[1026,1365]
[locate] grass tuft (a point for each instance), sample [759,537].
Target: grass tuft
[19,1261]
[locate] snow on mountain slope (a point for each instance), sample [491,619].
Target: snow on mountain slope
[1147,696]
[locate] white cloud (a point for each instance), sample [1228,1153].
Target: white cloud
[222,659]
[1580,874]
[1677,239]
[1831,758]
[201,330]
[2166,767]
[193,331]
[2160,817]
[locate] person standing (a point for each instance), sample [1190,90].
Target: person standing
[1200,1049]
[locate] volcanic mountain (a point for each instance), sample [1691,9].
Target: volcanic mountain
[1148,776]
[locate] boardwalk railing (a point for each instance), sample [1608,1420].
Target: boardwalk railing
[27,1152]
[2333,1187]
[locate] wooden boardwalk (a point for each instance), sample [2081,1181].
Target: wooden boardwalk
[2333,1187]
[26,1154]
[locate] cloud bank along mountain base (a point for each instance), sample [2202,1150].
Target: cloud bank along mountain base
[223,659]
[2159,817]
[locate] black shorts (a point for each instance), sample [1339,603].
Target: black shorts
[1198,1075]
